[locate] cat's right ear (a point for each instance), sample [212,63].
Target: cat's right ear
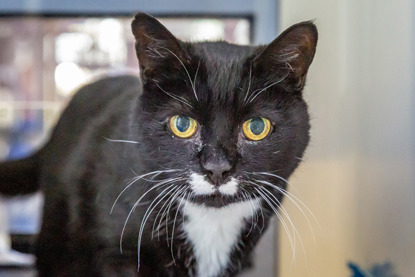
[155,45]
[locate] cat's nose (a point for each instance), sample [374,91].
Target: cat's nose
[217,171]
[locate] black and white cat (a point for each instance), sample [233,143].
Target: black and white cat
[182,169]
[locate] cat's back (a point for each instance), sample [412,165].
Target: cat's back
[93,114]
[99,97]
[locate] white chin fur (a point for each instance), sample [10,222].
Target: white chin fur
[214,233]
[200,186]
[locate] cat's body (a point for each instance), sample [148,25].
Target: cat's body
[115,175]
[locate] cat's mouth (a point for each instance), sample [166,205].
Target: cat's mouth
[216,200]
[213,195]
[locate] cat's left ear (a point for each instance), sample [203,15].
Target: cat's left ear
[290,54]
[155,45]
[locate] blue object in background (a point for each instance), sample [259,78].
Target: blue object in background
[378,270]
[20,145]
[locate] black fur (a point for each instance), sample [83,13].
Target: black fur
[19,177]
[84,166]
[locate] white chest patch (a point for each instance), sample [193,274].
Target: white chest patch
[214,232]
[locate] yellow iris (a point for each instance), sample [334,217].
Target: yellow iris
[256,128]
[183,126]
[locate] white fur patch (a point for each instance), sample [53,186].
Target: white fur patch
[200,186]
[230,188]
[214,233]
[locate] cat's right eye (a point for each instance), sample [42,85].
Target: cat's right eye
[183,126]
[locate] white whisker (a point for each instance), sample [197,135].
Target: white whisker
[249,84]
[253,95]
[122,140]
[162,184]
[168,214]
[136,178]
[147,214]
[190,195]
[174,225]
[293,199]
[300,159]
[251,204]
[263,219]
[279,204]
[194,80]
[175,97]
[292,242]
[166,205]
[161,211]
[187,72]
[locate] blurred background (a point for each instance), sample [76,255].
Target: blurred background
[358,175]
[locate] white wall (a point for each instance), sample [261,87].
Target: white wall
[358,174]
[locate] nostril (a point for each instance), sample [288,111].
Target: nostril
[225,174]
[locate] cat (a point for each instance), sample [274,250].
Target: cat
[177,172]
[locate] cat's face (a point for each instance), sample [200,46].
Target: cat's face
[227,121]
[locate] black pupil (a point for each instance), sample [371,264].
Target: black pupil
[182,123]
[257,126]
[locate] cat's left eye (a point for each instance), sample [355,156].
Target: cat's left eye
[183,126]
[256,128]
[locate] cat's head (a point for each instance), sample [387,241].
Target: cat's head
[224,121]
